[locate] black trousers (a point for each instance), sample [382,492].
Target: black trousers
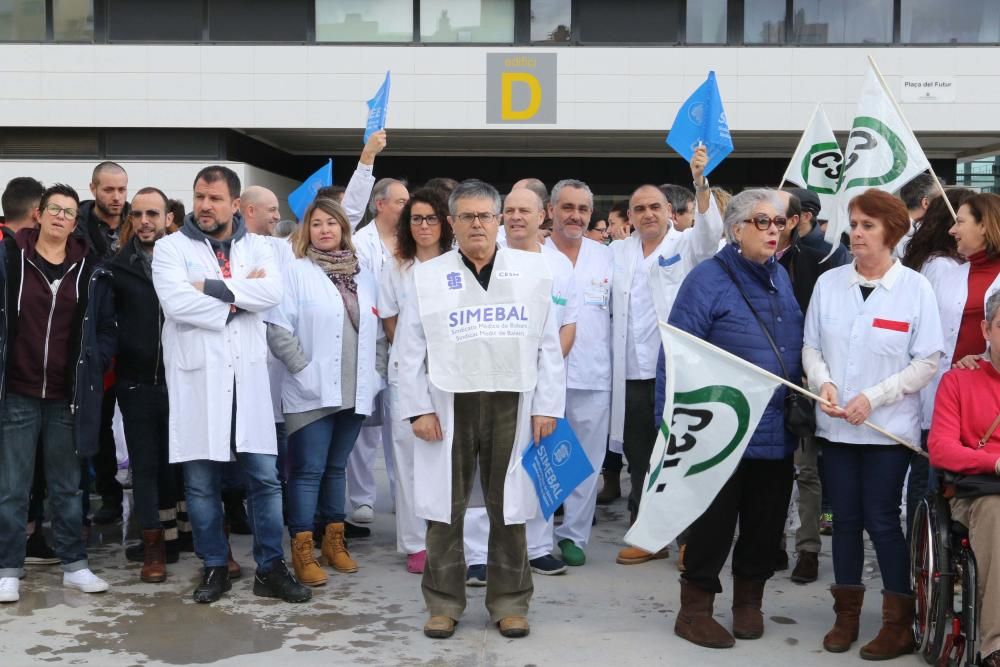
[757,496]
[145,415]
[639,435]
[105,462]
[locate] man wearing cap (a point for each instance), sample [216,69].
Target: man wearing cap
[808,229]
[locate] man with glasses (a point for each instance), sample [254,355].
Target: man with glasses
[649,267]
[480,378]
[58,338]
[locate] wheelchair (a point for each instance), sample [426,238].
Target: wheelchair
[943,577]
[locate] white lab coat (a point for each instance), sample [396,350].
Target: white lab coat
[205,357]
[678,253]
[432,460]
[275,369]
[313,310]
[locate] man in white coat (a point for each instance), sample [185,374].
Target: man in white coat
[214,281]
[481,378]
[649,267]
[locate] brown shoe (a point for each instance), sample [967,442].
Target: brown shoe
[335,549]
[992,660]
[896,636]
[439,627]
[748,596]
[611,490]
[806,568]
[635,555]
[847,601]
[154,564]
[680,557]
[307,570]
[694,620]
[514,626]
[235,571]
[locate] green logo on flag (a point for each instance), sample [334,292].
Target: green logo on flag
[870,131]
[826,157]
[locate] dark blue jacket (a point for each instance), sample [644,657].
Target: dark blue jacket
[710,307]
[92,344]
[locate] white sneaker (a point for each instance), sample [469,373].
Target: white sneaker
[363,514]
[85,580]
[8,589]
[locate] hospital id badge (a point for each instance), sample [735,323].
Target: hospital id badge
[596,296]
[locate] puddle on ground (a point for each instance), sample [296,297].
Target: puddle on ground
[783,620]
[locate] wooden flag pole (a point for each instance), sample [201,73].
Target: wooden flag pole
[899,110]
[801,139]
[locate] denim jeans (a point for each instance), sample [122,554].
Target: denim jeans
[203,480]
[866,488]
[24,419]
[145,415]
[317,456]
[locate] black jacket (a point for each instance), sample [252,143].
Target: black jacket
[88,226]
[140,318]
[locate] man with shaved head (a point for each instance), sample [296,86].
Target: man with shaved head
[260,210]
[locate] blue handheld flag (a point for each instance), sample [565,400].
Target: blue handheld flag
[556,466]
[702,119]
[378,107]
[303,195]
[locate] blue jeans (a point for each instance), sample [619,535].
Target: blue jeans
[866,487]
[317,456]
[24,420]
[203,480]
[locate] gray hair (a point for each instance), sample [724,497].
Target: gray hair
[473,189]
[380,192]
[571,183]
[284,229]
[992,306]
[742,205]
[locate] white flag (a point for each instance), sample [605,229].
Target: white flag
[817,161]
[881,152]
[713,403]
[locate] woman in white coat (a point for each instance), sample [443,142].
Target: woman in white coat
[324,333]
[423,234]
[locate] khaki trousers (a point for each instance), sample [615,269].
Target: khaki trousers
[484,433]
[810,496]
[982,517]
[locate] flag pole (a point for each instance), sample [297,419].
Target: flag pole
[899,110]
[801,139]
[791,385]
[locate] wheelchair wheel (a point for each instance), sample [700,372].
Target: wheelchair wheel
[970,604]
[931,577]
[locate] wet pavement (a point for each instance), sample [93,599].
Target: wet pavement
[598,614]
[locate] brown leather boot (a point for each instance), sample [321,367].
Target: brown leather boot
[154,564]
[335,550]
[307,570]
[611,490]
[847,601]
[896,636]
[235,571]
[806,568]
[748,596]
[694,620]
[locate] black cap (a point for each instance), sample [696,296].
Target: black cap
[808,199]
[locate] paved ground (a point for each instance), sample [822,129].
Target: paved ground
[599,614]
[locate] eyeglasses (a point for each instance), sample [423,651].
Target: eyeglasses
[55,210]
[136,214]
[468,218]
[431,220]
[763,223]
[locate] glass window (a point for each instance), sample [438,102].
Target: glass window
[258,20]
[842,22]
[764,22]
[364,20]
[155,20]
[630,21]
[550,20]
[22,20]
[707,22]
[464,21]
[935,22]
[73,20]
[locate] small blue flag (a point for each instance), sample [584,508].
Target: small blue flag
[378,107]
[303,195]
[702,119]
[556,466]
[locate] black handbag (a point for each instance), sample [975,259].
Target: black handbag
[800,412]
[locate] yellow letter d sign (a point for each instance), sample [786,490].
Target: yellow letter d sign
[507,83]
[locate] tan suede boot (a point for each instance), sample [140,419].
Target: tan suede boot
[748,596]
[307,570]
[335,550]
[847,601]
[896,636]
[694,620]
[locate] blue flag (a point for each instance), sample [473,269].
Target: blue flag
[378,106]
[556,466]
[702,119]
[303,195]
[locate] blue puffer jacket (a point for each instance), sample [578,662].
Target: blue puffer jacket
[709,306]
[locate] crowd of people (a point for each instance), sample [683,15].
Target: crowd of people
[259,364]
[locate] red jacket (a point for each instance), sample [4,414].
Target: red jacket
[967,402]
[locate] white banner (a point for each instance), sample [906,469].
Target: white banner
[817,162]
[713,403]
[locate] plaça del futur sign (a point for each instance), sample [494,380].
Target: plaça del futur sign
[521,88]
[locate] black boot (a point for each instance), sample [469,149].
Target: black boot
[214,582]
[280,583]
